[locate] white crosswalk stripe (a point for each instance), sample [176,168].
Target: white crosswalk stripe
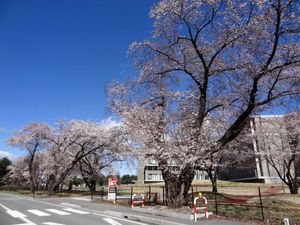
[15,214]
[59,212]
[111,221]
[38,212]
[52,223]
[49,212]
[75,211]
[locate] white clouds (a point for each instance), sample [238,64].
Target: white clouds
[6,154]
[109,123]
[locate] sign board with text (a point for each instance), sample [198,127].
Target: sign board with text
[112,188]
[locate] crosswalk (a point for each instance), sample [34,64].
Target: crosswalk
[59,212]
[38,212]
[46,212]
[25,215]
[76,211]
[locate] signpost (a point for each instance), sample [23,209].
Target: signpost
[112,189]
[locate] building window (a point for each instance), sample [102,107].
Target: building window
[151,168]
[149,176]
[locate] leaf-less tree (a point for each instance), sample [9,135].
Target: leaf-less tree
[237,156]
[281,148]
[218,59]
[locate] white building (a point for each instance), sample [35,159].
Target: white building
[256,169]
[148,171]
[264,131]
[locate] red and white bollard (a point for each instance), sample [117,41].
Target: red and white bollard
[133,201]
[199,208]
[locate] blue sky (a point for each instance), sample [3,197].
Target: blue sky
[57,57]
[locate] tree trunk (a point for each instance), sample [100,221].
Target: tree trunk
[54,183]
[31,176]
[177,186]
[93,185]
[212,173]
[51,184]
[32,188]
[89,182]
[294,188]
[61,186]
[32,183]
[214,185]
[70,186]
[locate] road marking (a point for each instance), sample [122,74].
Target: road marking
[8,199]
[4,207]
[59,212]
[82,199]
[28,222]
[75,211]
[38,212]
[111,221]
[95,211]
[51,223]
[66,204]
[15,214]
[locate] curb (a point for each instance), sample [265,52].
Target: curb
[156,212]
[175,215]
[139,218]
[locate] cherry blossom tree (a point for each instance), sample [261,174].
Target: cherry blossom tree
[53,152]
[75,141]
[91,165]
[31,139]
[16,172]
[208,60]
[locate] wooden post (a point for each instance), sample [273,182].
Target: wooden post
[131,193]
[92,195]
[192,195]
[116,195]
[163,195]
[149,195]
[283,187]
[261,205]
[216,202]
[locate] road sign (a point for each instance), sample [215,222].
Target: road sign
[112,188]
[112,182]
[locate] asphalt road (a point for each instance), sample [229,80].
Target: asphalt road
[20,210]
[17,210]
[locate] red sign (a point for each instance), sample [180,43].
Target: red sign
[112,182]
